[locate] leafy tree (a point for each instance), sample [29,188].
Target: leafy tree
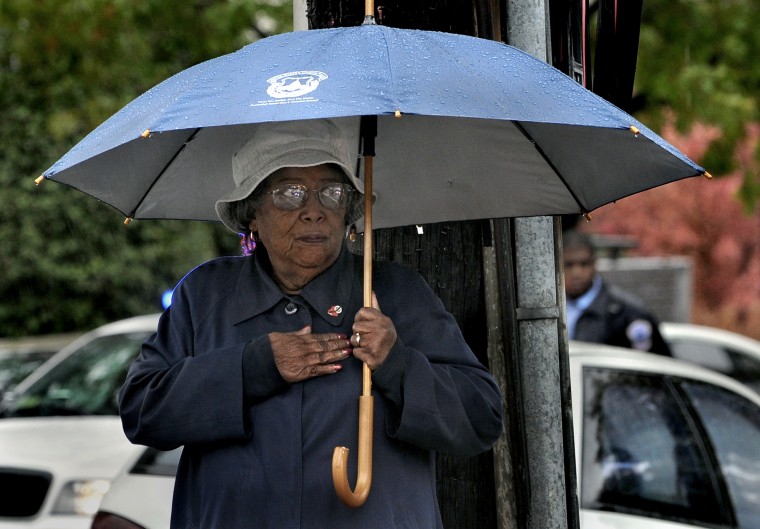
[65,66]
[698,83]
[698,62]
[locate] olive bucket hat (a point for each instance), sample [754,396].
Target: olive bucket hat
[285,144]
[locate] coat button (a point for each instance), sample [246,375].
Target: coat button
[291,308]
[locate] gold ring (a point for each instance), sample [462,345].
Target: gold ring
[358,339]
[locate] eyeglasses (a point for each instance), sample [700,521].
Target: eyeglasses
[289,197]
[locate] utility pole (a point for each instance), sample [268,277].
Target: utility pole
[543,452]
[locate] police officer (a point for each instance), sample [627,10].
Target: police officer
[600,312]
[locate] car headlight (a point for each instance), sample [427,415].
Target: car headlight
[81,497]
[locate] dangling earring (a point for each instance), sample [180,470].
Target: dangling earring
[248,243]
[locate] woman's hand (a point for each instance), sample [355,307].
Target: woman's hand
[302,355]
[374,335]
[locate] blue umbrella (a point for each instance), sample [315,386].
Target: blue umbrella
[484,131]
[464,128]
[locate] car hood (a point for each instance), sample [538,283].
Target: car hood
[73,446]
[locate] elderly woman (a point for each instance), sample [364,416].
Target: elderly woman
[252,370]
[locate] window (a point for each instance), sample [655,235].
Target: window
[733,424]
[84,383]
[722,358]
[157,462]
[640,454]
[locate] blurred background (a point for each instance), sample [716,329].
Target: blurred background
[68,261]
[69,264]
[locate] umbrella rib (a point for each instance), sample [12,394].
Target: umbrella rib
[160,174]
[538,148]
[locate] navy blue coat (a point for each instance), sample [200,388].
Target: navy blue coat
[258,453]
[617,318]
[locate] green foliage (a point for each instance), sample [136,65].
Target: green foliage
[65,66]
[698,60]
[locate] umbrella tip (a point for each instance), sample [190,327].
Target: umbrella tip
[145,134]
[39,180]
[634,129]
[587,216]
[707,175]
[397,114]
[127,221]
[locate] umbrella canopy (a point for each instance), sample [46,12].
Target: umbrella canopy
[467,128]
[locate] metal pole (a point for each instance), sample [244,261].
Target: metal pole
[541,359]
[300,22]
[528,27]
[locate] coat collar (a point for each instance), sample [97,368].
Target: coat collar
[329,294]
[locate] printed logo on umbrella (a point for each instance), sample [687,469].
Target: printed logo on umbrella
[294,84]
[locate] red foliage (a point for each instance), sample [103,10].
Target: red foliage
[704,220]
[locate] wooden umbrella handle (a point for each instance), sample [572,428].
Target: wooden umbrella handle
[366,405]
[357,497]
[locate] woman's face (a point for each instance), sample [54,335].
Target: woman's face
[304,242]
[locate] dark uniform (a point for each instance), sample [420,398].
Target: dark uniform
[617,318]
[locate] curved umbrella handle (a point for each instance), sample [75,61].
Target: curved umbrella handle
[366,405]
[357,497]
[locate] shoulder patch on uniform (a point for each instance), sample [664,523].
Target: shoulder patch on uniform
[639,332]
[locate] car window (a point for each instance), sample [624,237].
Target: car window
[157,462]
[16,367]
[712,356]
[721,358]
[84,383]
[640,454]
[733,424]
[19,357]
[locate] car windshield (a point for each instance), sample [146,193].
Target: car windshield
[16,367]
[84,383]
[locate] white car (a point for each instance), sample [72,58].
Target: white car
[727,352]
[661,444]
[141,496]
[61,440]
